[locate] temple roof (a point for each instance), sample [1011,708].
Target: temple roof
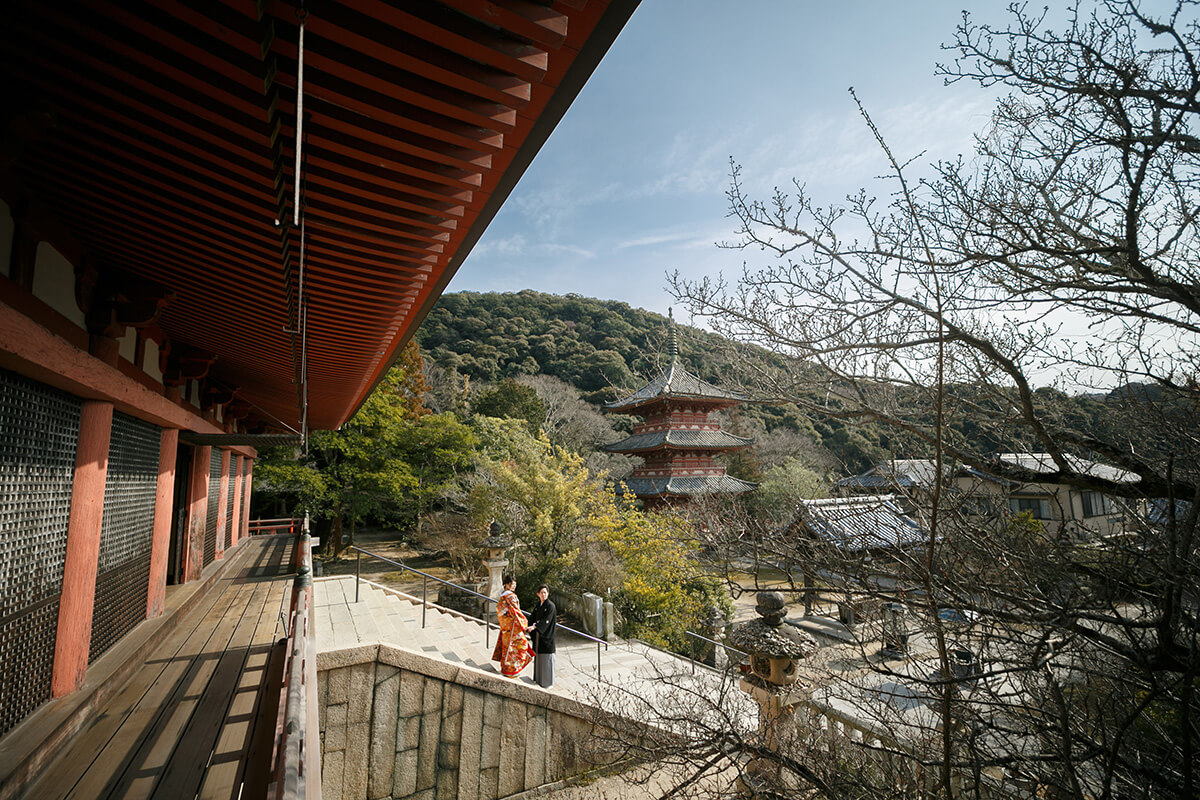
[678,439]
[691,485]
[674,382]
[155,142]
[898,473]
[854,524]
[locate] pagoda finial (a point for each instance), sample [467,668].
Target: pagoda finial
[674,337]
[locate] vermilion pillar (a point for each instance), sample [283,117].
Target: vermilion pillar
[223,502]
[73,639]
[193,551]
[247,485]
[235,475]
[164,498]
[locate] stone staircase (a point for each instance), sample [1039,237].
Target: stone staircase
[391,617]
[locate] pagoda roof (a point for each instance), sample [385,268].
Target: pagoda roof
[687,486]
[675,381]
[678,439]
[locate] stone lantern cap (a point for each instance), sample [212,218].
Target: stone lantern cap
[496,540]
[768,636]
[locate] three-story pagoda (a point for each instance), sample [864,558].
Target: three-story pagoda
[677,439]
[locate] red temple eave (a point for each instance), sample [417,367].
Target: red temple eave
[153,140]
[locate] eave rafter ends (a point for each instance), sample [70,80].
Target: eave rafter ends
[166,147]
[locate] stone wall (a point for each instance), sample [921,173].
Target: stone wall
[395,724]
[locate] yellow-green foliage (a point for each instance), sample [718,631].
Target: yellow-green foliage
[664,592]
[574,532]
[537,491]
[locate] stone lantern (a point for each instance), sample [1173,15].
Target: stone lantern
[714,625]
[775,650]
[894,630]
[493,559]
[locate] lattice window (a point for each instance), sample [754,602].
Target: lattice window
[214,496]
[39,434]
[229,500]
[127,531]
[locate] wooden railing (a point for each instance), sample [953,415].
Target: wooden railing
[263,527]
[296,757]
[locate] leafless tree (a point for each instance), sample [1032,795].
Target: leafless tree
[570,421]
[1066,253]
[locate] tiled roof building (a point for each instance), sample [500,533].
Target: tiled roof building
[856,524]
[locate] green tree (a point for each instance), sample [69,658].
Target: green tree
[388,463]
[439,449]
[783,485]
[662,590]
[539,493]
[570,530]
[363,469]
[509,399]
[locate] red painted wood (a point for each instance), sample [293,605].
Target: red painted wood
[75,607]
[164,497]
[247,485]
[173,152]
[197,514]
[235,474]
[222,503]
[35,352]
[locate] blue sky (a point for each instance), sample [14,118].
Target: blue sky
[631,184]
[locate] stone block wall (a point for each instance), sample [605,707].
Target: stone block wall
[395,724]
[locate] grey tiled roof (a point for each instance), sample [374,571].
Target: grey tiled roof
[708,484]
[869,481]
[897,474]
[1043,462]
[674,382]
[859,523]
[678,439]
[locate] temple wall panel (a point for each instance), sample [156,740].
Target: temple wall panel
[6,238]
[149,363]
[54,283]
[213,499]
[127,345]
[228,464]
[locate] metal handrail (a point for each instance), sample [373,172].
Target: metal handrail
[425,577]
[694,636]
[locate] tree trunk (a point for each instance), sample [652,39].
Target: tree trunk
[335,534]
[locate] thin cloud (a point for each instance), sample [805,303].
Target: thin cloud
[515,245]
[566,249]
[653,239]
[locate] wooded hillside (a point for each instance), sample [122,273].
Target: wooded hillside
[605,347]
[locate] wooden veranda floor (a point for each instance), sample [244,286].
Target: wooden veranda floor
[196,719]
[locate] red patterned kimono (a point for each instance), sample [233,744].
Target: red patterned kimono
[512,647]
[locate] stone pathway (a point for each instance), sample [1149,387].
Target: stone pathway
[394,618]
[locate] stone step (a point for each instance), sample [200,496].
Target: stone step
[381,615]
